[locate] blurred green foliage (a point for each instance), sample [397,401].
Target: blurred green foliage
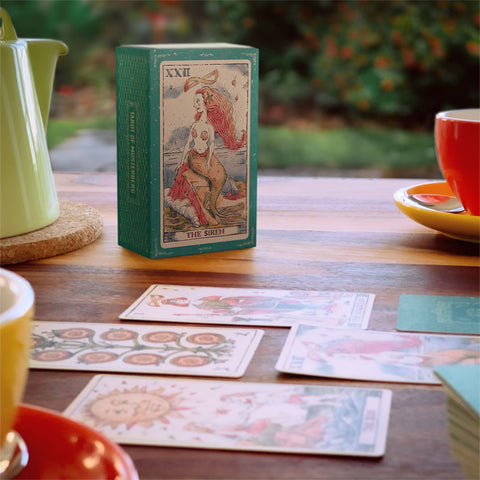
[61,129]
[391,152]
[403,59]
[382,60]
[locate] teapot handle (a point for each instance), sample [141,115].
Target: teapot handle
[43,59]
[7,31]
[43,55]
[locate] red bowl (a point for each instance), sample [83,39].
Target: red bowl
[60,448]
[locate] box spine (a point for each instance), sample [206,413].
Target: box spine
[133,149]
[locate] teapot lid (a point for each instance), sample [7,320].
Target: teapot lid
[7,31]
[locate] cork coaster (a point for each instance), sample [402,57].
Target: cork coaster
[77,226]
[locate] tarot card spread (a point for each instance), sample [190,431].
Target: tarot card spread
[267,307]
[205,173]
[373,355]
[236,415]
[143,349]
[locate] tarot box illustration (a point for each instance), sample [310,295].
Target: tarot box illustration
[186,148]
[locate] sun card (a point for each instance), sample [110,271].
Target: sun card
[232,415]
[262,307]
[373,355]
[110,347]
[439,314]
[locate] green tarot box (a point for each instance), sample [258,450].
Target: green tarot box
[186,148]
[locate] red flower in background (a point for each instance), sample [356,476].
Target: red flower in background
[158,21]
[436,46]
[66,90]
[397,38]
[408,55]
[347,53]
[382,62]
[387,84]
[473,48]
[331,46]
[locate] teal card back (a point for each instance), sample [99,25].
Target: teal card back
[439,314]
[464,381]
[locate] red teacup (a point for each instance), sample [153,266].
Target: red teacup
[457,140]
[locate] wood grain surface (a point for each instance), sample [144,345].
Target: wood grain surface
[313,233]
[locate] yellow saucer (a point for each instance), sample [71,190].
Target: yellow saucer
[460,226]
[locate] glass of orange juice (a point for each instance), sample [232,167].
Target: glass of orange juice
[16,313]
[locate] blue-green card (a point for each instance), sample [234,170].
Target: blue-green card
[462,381]
[439,314]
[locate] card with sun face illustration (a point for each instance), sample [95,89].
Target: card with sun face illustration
[268,307]
[174,412]
[111,347]
[373,355]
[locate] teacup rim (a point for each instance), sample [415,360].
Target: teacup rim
[24,296]
[461,115]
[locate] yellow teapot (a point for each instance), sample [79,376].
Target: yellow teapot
[28,198]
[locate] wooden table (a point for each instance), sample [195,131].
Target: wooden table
[313,233]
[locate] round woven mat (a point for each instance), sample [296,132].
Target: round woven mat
[77,226]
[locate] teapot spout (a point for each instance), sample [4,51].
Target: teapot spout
[43,60]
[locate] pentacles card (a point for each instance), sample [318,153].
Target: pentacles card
[110,347]
[246,306]
[205,108]
[234,415]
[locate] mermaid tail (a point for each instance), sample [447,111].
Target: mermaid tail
[215,175]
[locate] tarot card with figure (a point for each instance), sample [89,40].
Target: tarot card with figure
[205,128]
[269,307]
[111,347]
[373,355]
[232,415]
[187,135]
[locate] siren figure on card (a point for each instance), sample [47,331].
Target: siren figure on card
[199,166]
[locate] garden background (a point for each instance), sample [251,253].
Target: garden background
[344,85]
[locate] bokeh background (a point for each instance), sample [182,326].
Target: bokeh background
[344,85]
